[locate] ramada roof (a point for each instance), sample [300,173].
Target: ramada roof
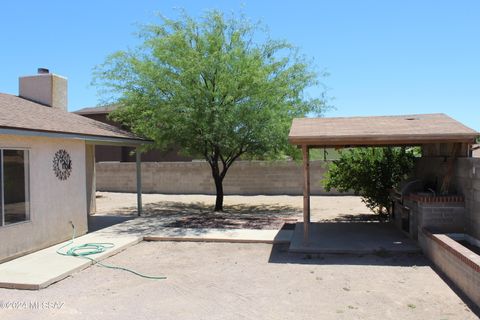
[414,129]
[21,116]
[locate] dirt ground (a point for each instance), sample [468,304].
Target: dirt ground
[252,212]
[241,281]
[244,281]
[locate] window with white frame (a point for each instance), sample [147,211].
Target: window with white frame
[14,186]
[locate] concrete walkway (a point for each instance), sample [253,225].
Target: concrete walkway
[42,268]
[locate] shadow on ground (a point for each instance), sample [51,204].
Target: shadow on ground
[280,254]
[200,215]
[473,307]
[99,222]
[361,217]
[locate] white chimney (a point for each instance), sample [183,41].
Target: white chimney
[46,88]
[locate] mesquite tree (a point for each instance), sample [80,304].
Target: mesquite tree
[212,86]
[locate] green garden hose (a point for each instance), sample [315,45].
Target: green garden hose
[86,249]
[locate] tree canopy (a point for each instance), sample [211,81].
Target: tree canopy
[213,86]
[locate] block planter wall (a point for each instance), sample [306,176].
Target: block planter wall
[458,263]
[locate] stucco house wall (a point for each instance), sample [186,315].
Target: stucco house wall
[53,203]
[38,120]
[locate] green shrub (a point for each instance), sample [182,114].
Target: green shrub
[370,173]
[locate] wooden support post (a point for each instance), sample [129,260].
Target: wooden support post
[90,173]
[306,193]
[445,188]
[139,180]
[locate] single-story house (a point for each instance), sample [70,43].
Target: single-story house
[122,153]
[47,165]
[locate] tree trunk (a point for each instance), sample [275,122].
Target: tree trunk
[219,187]
[218,174]
[218,179]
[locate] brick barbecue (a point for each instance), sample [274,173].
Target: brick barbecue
[416,207]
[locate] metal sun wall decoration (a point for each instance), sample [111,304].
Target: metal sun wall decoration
[62,164]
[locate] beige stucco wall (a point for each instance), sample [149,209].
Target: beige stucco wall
[53,203]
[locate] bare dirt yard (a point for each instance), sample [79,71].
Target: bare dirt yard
[245,281]
[252,212]
[241,281]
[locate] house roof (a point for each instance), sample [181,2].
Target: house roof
[97,110]
[21,116]
[414,129]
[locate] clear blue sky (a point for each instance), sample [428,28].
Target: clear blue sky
[384,57]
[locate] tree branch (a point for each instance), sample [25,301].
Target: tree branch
[205,82]
[223,160]
[229,162]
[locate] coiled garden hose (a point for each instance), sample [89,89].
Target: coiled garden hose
[86,249]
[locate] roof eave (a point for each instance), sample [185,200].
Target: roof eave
[381,141]
[91,139]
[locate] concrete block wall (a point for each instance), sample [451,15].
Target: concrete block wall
[467,182]
[243,178]
[448,217]
[444,216]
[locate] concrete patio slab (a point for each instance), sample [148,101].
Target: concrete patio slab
[221,235]
[352,238]
[153,229]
